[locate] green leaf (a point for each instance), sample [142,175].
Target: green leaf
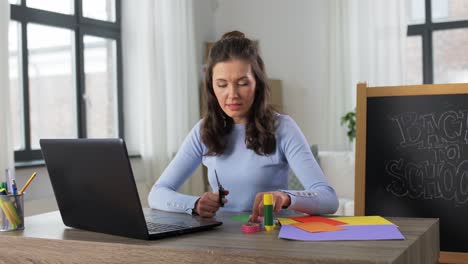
[349,120]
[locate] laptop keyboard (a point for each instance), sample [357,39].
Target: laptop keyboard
[161,228]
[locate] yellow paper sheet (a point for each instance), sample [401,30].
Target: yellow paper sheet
[286,221]
[363,220]
[317,227]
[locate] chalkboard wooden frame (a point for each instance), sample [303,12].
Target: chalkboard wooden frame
[363,93]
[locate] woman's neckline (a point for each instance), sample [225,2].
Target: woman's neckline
[239,126]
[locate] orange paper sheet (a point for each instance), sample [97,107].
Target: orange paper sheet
[320,219]
[314,227]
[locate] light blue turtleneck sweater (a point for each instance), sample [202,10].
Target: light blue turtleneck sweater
[244,173]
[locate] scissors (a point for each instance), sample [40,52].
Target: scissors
[220,190]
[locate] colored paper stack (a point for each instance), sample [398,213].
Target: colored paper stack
[318,228]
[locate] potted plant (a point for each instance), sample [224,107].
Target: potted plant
[349,120]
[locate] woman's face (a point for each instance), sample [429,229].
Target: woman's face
[234,87]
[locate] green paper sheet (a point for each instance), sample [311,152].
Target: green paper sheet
[241,218]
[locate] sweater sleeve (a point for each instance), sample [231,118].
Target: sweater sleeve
[318,197]
[163,194]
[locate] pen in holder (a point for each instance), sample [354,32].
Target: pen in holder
[11,212]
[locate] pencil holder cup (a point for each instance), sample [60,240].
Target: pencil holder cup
[11,212]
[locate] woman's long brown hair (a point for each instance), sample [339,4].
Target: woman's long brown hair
[216,125]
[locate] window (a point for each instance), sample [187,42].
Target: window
[437,43]
[65,72]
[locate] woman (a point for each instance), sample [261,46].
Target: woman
[245,142]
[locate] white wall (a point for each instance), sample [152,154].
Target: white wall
[293,42]
[203,14]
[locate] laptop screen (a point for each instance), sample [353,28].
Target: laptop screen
[94,185]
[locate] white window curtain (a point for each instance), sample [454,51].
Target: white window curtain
[160,79]
[6,144]
[367,44]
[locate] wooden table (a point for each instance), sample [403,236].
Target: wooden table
[46,240]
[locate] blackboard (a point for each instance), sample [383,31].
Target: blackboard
[415,157]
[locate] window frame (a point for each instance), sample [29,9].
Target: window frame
[80,26]
[425,31]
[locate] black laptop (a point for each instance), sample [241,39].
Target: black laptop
[95,190]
